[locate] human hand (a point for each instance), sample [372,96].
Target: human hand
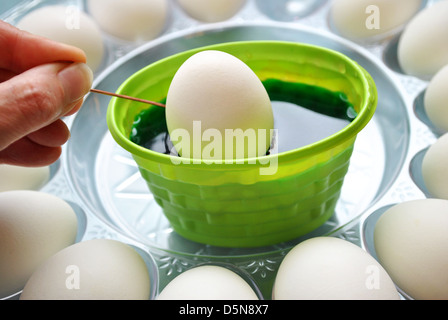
[41,81]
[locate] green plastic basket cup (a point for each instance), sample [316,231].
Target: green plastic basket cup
[237,204]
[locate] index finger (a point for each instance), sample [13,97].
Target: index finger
[21,50]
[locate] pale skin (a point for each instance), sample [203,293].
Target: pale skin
[41,82]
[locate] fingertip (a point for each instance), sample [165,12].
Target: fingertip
[76,80]
[74,108]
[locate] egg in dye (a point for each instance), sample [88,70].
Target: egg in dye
[365,19]
[98,269]
[214,96]
[69,25]
[131,20]
[33,227]
[208,282]
[211,11]
[411,242]
[436,100]
[434,168]
[327,268]
[423,46]
[23,178]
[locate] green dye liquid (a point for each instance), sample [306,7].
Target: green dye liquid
[303,114]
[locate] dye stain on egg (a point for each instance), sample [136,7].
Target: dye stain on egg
[303,114]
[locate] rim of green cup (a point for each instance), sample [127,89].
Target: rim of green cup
[366,111]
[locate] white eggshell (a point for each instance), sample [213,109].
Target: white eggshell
[215,92]
[33,226]
[423,46]
[23,178]
[363,19]
[436,100]
[212,11]
[208,283]
[131,20]
[69,25]
[326,268]
[99,269]
[411,242]
[434,168]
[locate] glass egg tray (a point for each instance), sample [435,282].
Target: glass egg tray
[103,182]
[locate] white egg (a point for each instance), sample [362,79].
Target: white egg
[212,11]
[131,20]
[364,19]
[326,268]
[436,100]
[69,25]
[99,269]
[208,283]
[411,242]
[434,168]
[423,46]
[23,178]
[212,97]
[33,226]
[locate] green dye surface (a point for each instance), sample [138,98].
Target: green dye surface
[303,114]
[317,99]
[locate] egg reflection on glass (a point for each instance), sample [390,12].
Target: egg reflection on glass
[327,268]
[436,100]
[364,19]
[98,269]
[208,282]
[434,168]
[411,242]
[69,25]
[211,11]
[214,93]
[423,46]
[23,178]
[130,20]
[33,226]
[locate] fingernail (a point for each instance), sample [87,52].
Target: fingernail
[76,79]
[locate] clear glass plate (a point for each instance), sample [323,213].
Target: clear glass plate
[102,181]
[108,184]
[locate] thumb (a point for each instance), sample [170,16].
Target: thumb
[36,98]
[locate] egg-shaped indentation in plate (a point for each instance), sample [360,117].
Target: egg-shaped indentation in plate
[422,115]
[82,220]
[153,270]
[390,55]
[288,10]
[368,231]
[434,101]
[415,171]
[434,173]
